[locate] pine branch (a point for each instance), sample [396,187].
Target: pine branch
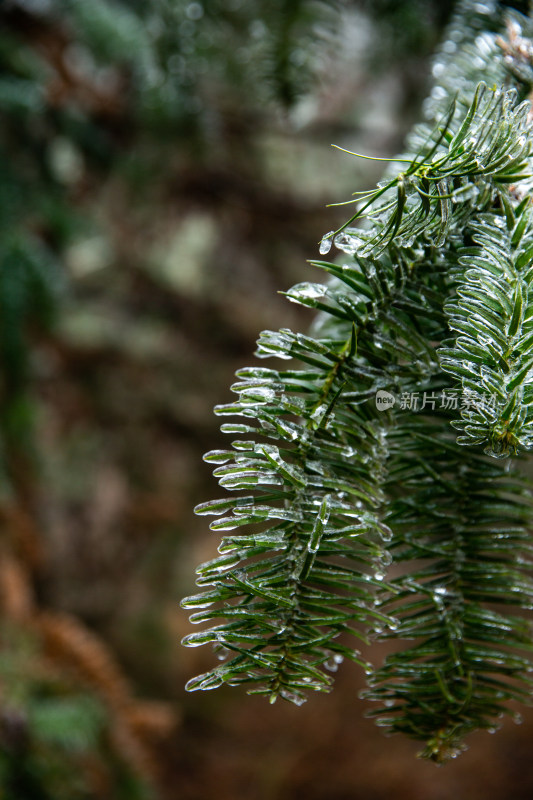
[464,161]
[467,550]
[434,301]
[288,592]
[331,460]
[493,314]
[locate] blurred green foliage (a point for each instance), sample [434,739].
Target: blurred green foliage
[81,83]
[84,87]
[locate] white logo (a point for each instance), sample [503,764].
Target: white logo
[384,400]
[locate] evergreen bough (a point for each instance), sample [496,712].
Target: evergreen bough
[358,510]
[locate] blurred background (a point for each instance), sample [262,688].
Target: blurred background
[165,167]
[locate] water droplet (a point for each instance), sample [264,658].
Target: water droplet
[297,699]
[310,291]
[319,412]
[405,241]
[385,533]
[349,242]
[217,457]
[468,192]
[206,682]
[257,395]
[325,244]
[222,653]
